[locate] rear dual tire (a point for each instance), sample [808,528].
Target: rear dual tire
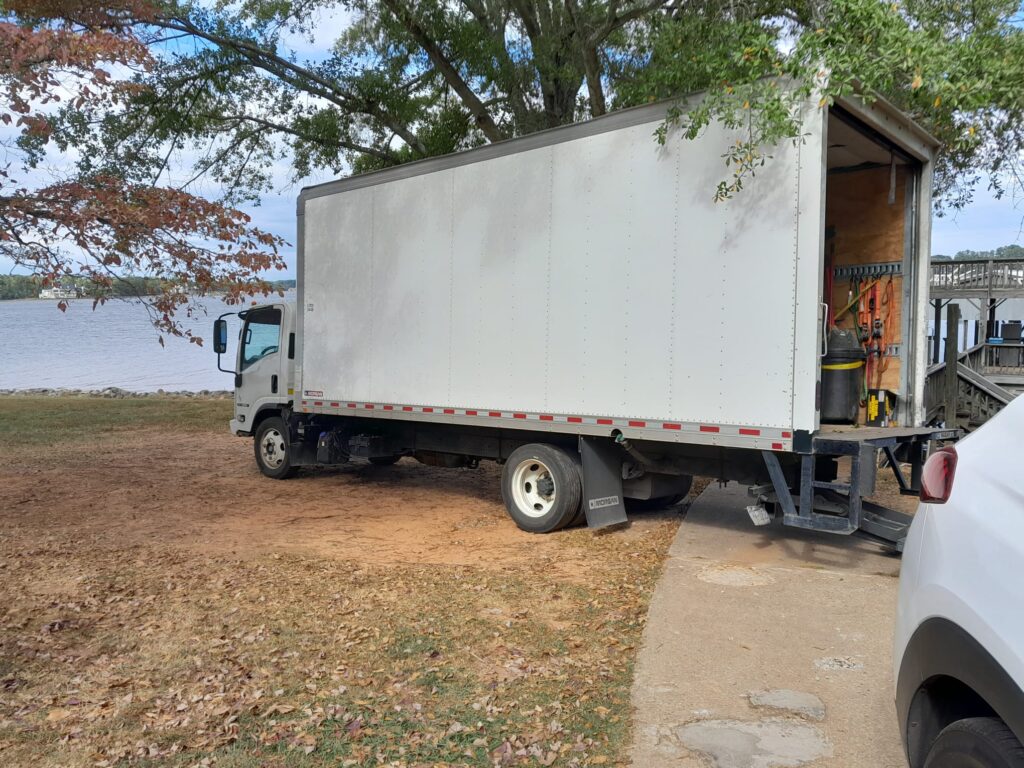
[542,487]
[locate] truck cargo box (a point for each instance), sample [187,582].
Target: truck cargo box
[584,279]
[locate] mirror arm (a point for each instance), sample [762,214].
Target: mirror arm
[221,368]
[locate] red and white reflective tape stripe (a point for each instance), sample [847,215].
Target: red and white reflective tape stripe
[758,434]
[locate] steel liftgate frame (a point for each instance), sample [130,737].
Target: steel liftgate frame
[839,507]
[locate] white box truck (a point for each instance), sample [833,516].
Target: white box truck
[575,305]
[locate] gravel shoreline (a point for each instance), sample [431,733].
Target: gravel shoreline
[117,393]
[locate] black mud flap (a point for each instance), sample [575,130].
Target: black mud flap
[602,482]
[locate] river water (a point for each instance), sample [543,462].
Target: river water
[113,346]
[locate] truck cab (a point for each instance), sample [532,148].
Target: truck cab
[264,362]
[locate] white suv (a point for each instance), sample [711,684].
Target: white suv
[960,623]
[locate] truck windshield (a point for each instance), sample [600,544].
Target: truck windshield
[262,334]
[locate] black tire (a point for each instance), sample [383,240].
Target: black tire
[580,518]
[384,461]
[977,742]
[549,480]
[271,443]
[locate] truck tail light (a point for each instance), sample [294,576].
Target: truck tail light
[937,477]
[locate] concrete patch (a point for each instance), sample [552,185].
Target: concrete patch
[765,744]
[735,576]
[838,662]
[797,702]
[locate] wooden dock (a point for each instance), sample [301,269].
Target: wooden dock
[987,375]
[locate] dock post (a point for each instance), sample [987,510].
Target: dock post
[952,361]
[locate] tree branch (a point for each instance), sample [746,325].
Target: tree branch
[301,78]
[448,70]
[342,144]
[516,98]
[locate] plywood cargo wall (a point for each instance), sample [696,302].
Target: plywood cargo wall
[868,230]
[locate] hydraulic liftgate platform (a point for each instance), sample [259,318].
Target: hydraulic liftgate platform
[839,507]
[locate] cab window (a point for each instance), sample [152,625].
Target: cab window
[261,334]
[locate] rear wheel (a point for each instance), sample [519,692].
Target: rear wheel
[976,742]
[273,452]
[542,487]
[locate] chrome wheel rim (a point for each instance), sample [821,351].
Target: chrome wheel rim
[533,488]
[272,449]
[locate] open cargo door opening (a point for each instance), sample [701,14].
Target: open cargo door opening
[869,262]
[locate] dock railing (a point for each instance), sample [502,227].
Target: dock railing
[964,396]
[976,279]
[1001,359]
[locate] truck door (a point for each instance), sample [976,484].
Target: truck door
[259,377]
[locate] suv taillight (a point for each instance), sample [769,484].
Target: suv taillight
[937,477]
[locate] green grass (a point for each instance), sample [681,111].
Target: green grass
[49,421]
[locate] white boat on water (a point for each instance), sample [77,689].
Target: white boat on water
[58,292]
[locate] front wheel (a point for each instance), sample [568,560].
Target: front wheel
[273,451]
[976,742]
[542,487]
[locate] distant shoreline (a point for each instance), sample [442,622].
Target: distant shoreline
[129,297]
[22,287]
[116,393]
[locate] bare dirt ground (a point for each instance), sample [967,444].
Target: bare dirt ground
[204,492]
[161,603]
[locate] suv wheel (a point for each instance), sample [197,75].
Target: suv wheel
[977,742]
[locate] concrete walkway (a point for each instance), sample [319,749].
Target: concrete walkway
[767,647]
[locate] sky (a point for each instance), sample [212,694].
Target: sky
[986,224]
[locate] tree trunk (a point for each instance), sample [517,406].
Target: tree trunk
[592,65]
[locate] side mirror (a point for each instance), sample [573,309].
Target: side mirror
[220,336]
